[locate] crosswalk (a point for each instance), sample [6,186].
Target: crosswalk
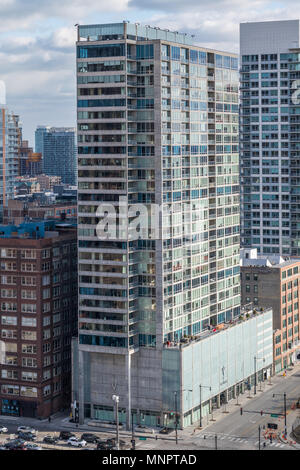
[240,440]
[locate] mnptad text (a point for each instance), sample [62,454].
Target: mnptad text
[153,459]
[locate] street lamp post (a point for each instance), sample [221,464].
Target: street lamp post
[132,431]
[176,421]
[116,400]
[255,381]
[176,412]
[200,388]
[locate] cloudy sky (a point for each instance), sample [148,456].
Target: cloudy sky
[37,42]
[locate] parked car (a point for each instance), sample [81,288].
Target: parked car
[50,439]
[75,442]
[26,429]
[113,442]
[89,437]
[15,444]
[165,431]
[3,429]
[65,435]
[32,446]
[27,436]
[104,446]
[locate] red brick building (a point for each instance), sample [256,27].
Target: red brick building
[38,317]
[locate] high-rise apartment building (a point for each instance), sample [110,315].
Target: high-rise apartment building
[157,127]
[38,318]
[58,148]
[270,136]
[10,141]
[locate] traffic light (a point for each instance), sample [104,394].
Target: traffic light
[241,410]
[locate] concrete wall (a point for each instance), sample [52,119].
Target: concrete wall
[268,37]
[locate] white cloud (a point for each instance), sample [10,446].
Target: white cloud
[37,42]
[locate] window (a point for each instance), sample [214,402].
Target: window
[46,293]
[29,362]
[9,374]
[28,391]
[28,321]
[9,320]
[28,335]
[47,374]
[29,376]
[47,390]
[10,389]
[9,334]
[29,348]
[28,308]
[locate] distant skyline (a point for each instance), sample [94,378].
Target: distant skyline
[37,43]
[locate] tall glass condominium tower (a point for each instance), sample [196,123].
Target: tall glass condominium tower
[58,147]
[10,142]
[270,136]
[157,128]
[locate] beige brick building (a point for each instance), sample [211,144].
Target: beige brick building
[272,281]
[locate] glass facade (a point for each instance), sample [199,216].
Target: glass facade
[167,137]
[270,152]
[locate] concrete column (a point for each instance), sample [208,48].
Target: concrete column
[219,401]
[243,387]
[80,387]
[128,374]
[226,396]
[210,405]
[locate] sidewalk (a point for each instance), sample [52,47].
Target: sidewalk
[243,400]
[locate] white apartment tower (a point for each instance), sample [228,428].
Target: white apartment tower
[270,137]
[157,126]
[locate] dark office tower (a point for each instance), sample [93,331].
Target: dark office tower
[58,149]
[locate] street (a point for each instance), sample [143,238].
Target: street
[229,429]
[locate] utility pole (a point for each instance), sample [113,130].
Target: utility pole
[259,437]
[116,400]
[132,430]
[255,379]
[176,422]
[254,375]
[284,407]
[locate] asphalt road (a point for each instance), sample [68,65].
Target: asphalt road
[233,430]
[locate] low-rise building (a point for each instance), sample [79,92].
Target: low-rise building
[38,316]
[272,281]
[211,368]
[18,211]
